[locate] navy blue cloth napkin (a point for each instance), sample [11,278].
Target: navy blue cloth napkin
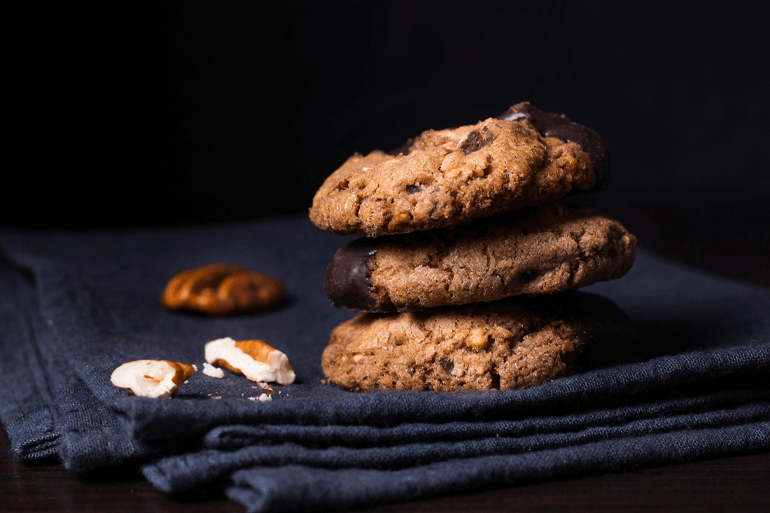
[76,305]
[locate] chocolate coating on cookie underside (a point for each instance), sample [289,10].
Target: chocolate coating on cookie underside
[346,282]
[558,125]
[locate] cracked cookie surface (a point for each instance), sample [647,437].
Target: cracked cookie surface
[515,343]
[539,250]
[449,177]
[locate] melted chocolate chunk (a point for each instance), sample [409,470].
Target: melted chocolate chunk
[411,189]
[559,126]
[474,142]
[347,283]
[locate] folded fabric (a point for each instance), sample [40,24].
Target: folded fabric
[190,471]
[229,438]
[295,488]
[49,410]
[74,306]
[26,406]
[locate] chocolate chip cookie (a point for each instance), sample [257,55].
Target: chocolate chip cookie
[514,343]
[539,250]
[448,177]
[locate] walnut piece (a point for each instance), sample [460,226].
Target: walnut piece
[223,289]
[255,359]
[152,378]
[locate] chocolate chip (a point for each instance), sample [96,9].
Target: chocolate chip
[447,365]
[559,126]
[528,276]
[474,142]
[411,189]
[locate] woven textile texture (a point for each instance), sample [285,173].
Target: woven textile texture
[74,306]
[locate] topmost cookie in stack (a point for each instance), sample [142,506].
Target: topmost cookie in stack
[445,178]
[469,217]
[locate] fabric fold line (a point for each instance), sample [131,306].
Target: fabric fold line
[26,407]
[229,438]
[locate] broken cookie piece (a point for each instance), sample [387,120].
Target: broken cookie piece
[152,378]
[255,359]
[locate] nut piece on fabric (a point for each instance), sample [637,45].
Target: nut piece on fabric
[223,289]
[152,378]
[214,372]
[264,386]
[255,359]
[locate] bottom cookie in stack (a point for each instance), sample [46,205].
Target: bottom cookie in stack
[513,343]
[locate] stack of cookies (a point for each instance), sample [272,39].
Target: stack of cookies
[468,265]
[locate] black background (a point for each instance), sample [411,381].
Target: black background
[185,112]
[139,114]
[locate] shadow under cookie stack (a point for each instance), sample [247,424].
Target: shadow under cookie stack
[467,270]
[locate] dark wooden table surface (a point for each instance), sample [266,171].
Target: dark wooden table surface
[676,229]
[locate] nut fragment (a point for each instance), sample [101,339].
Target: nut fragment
[255,359]
[152,378]
[264,386]
[223,289]
[214,372]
